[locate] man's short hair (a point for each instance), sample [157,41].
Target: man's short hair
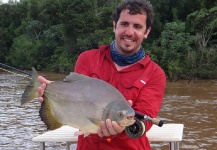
[136,7]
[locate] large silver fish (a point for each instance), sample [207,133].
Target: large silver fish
[81,102]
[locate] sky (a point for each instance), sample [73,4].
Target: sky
[5,1]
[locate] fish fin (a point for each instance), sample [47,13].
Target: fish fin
[86,134]
[31,89]
[74,77]
[77,133]
[47,116]
[95,121]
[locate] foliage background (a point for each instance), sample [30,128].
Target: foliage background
[50,34]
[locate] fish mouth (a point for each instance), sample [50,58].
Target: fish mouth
[128,120]
[130,117]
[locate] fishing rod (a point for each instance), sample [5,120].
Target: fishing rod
[18,70]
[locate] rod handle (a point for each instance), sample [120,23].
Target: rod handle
[157,122]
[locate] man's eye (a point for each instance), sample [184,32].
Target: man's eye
[138,27]
[124,24]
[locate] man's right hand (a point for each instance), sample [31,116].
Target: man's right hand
[41,88]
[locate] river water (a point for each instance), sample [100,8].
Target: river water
[194,105]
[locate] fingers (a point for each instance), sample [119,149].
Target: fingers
[108,128]
[41,89]
[41,99]
[43,80]
[99,132]
[41,92]
[117,127]
[130,102]
[103,131]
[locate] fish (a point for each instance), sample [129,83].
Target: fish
[79,101]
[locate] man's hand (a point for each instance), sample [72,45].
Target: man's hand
[41,88]
[108,127]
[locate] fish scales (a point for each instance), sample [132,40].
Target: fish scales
[94,100]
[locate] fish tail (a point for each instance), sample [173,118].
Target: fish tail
[47,115]
[31,90]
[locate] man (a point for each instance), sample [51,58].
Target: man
[124,65]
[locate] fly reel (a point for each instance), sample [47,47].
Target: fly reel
[137,129]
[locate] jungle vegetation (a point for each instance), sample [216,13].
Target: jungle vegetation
[50,34]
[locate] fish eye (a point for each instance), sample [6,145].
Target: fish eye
[120,114]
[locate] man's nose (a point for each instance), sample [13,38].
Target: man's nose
[129,31]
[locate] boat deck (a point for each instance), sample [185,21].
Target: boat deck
[171,133]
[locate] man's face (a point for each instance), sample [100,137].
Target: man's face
[130,31]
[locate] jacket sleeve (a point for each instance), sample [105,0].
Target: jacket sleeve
[150,97]
[82,65]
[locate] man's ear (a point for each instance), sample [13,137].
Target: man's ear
[114,26]
[147,33]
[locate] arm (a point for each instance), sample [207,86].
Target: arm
[82,65]
[150,98]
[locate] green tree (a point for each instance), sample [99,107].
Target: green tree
[4,43]
[56,31]
[203,24]
[24,52]
[175,44]
[34,29]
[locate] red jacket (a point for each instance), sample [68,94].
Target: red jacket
[143,83]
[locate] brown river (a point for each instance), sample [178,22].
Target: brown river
[194,105]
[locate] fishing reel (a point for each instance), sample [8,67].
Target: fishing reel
[137,129]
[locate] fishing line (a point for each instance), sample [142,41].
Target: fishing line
[24,72]
[16,73]
[7,66]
